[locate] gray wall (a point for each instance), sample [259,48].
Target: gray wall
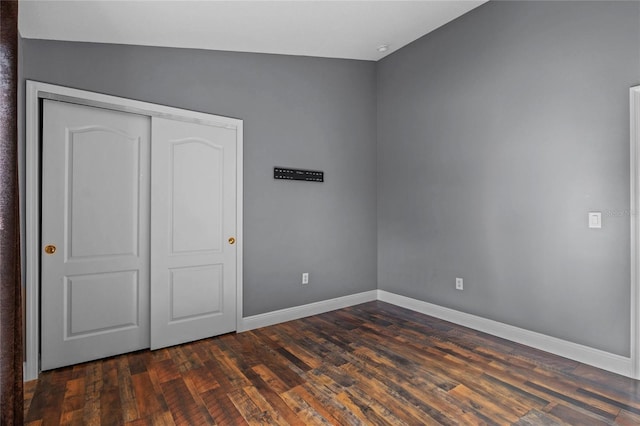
[298,112]
[497,134]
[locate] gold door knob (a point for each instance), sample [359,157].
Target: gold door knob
[50,249]
[232,240]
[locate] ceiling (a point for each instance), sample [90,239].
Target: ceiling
[332,29]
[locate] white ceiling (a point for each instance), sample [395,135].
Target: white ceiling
[333,29]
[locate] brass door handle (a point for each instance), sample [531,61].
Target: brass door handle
[232,240]
[50,249]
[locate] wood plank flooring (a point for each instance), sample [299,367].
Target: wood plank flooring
[371,364]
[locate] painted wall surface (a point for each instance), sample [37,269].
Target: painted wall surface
[298,112]
[497,133]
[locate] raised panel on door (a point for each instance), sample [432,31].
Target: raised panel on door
[193,214]
[95,211]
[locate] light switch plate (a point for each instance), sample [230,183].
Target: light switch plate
[595,220]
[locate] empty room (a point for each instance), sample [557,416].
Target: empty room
[320,212]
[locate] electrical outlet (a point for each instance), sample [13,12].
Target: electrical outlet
[459,284]
[305,278]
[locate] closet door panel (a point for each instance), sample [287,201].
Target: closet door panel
[95,233]
[193,214]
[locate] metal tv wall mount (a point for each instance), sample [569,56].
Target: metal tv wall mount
[287,173]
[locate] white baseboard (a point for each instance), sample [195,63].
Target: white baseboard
[584,354]
[297,312]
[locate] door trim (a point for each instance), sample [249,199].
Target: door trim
[37,91]
[634,212]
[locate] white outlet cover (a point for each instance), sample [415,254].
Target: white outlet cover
[595,220]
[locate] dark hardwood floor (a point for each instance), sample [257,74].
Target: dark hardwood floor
[372,364]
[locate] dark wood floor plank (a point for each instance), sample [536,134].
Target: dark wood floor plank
[270,387]
[324,392]
[110,404]
[185,358]
[625,387]
[569,398]
[127,393]
[270,379]
[72,418]
[167,370]
[183,407]
[252,413]
[251,348]
[409,385]
[138,361]
[488,407]
[29,389]
[539,418]
[627,419]
[74,395]
[47,401]
[368,409]
[202,380]
[222,409]
[269,415]
[148,400]
[578,417]
[609,398]
[284,336]
[308,407]
[93,386]
[385,392]
[370,364]
[229,368]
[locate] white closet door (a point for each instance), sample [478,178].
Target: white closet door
[95,233]
[193,225]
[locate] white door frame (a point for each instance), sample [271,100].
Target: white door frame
[634,212]
[37,91]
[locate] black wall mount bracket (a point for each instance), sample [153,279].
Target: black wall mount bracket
[287,173]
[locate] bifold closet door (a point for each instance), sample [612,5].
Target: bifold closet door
[193,230]
[95,233]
